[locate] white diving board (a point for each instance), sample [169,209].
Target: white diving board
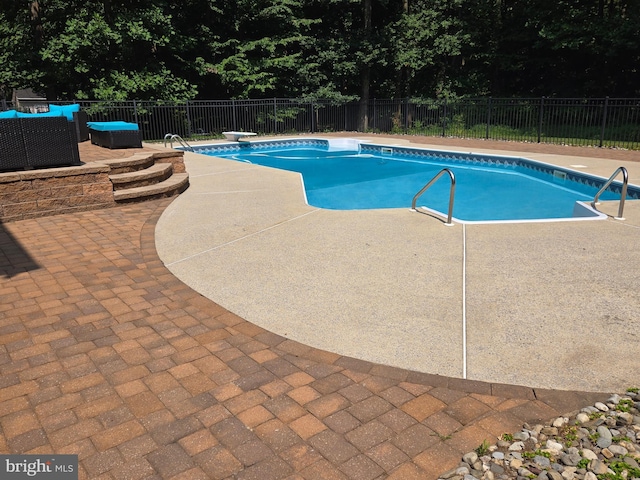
[236,136]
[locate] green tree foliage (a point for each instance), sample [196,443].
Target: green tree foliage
[566,48]
[596,45]
[264,48]
[329,49]
[426,44]
[92,49]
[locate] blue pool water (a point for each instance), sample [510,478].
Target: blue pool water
[487,188]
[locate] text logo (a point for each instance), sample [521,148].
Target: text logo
[49,467]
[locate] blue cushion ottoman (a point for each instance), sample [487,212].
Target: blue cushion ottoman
[115,134]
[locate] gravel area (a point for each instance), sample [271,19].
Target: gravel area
[600,442]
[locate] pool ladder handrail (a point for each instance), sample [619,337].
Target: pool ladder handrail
[179,139]
[623,192]
[452,191]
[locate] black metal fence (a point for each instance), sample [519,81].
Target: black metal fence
[603,122]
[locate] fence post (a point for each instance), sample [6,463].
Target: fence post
[313,115]
[135,112]
[373,116]
[540,117]
[189,129]
[486,133]
[233,111]
[275,115]
[406,115]
[444,118]
[604,120]
[345,110]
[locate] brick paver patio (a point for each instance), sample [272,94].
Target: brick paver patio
[105,354]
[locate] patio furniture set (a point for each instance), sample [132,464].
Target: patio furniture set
[50,139]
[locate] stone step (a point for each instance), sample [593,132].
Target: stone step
[136,162]
[174,185]
[156,173]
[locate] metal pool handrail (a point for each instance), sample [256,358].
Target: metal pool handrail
[452,191]
[179,139]
[623,192]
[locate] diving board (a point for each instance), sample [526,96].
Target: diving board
[237,136]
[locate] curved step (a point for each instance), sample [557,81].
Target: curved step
[135,162]
[174,185]
[156,173]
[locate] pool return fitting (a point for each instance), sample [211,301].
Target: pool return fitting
[452,191]
[623,192]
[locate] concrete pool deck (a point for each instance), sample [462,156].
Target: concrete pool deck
[545,305]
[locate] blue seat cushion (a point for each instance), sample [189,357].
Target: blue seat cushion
[66,110]
[112,126]
[9,114]
[36,115]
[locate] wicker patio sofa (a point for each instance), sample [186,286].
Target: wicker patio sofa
[78,117]
[38,141]
[115,134]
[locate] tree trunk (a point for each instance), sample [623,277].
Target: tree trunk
[365,75]
[365,72]
[37,24]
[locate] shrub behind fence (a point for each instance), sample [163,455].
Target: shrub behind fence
[602,122]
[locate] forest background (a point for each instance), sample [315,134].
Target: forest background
[319,49]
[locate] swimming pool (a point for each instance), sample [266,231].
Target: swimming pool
[347,175]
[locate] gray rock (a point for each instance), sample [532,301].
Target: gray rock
[570,459]
[552,445]
[553,475]
[462,471]
[582,417]
[598,467]
[615,399]
[470,458]
[618,450]
[559,422]
[604,439]
[516,447]
[624,418]
[542,461]
[522,436]
[631,462]
[524,472]
[604,432]
[448,475]
[590,476]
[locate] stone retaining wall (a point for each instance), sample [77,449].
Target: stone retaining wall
[52,191]
[39,193]
[176,157]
